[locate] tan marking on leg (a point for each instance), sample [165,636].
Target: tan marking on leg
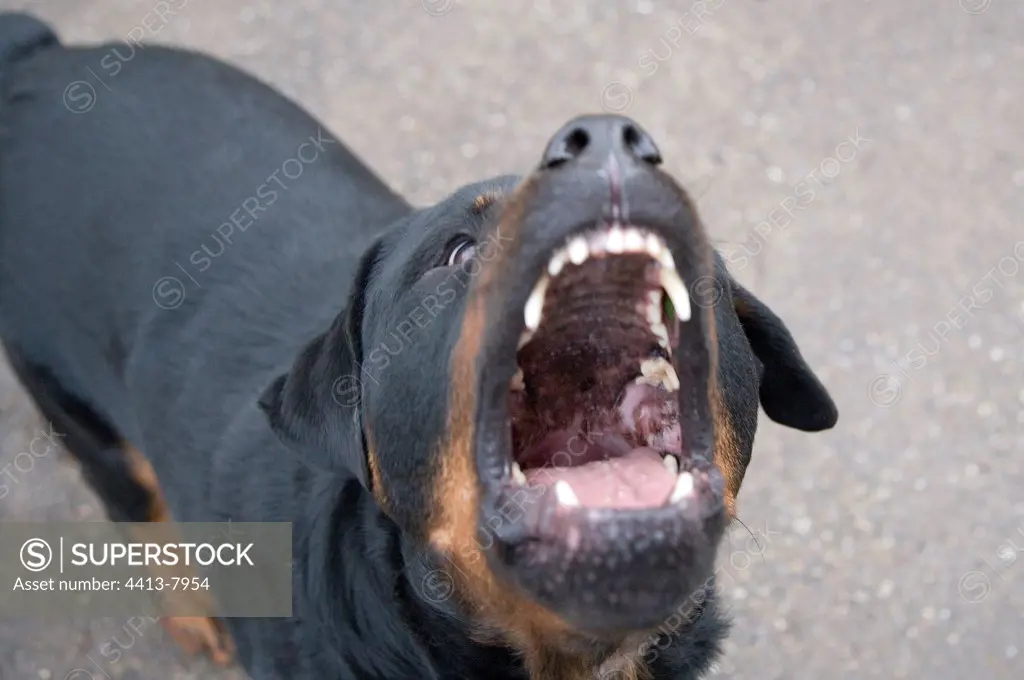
[201,635]
[194,634]
[143,473]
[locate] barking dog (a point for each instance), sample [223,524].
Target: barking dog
[509,428]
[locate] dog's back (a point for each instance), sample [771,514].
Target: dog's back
[203,227]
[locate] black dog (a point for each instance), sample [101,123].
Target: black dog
[538,396]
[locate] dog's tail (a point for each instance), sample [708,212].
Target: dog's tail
[21,35]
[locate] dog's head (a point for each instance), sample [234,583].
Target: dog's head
[553,384]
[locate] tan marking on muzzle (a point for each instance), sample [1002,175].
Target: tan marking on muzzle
[727,453]
[496,607]
[376,478]
[502,614]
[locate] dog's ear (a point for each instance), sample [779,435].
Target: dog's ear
[790,392]
[314,409]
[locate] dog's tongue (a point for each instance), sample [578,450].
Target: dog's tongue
[637,479]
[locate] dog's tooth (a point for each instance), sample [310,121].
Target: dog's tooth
[671,379]
[578,250]
[565,495]
[676,290]
[654,307]
[658,371]
[671,464]
[524,338]
[556,263]
[666,260]
[518,475]
[683,488]
[597,242]
[661,333]
[633,241]
[535,305]
[518,381]
[616,240]
[653,315]
[654,247]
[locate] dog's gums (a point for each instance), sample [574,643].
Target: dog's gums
[593,406]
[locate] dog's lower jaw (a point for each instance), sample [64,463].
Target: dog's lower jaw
[583,661]
[603,662]
[683,647]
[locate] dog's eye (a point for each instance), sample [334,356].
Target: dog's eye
[461,251]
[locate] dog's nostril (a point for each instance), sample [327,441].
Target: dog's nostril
[577,142]
[568,148]
[640,145]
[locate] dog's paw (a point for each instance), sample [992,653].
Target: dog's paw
[201,635]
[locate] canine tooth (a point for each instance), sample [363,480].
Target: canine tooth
[654,246]
[578,250]
[683,488]
[616,240]
[535,305]
[676,290]
[666,260]
[556,263]
[633,241]
[658,371]
[597,242]
[517,474]
[524,338]
[671,464]
[566,496]
[518,381]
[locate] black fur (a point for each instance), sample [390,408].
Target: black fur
[98,209]
[786,374]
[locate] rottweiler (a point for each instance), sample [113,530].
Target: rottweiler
[509,429]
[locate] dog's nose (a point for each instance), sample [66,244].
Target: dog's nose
[591,139]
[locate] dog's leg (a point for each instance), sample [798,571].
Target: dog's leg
[194,634]
[124,481]
[87,437]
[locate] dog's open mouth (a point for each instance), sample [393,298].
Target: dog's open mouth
[596,454]
[594,404]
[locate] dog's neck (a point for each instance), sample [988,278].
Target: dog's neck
[370,588]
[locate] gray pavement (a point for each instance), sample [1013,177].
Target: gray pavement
[862,166]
